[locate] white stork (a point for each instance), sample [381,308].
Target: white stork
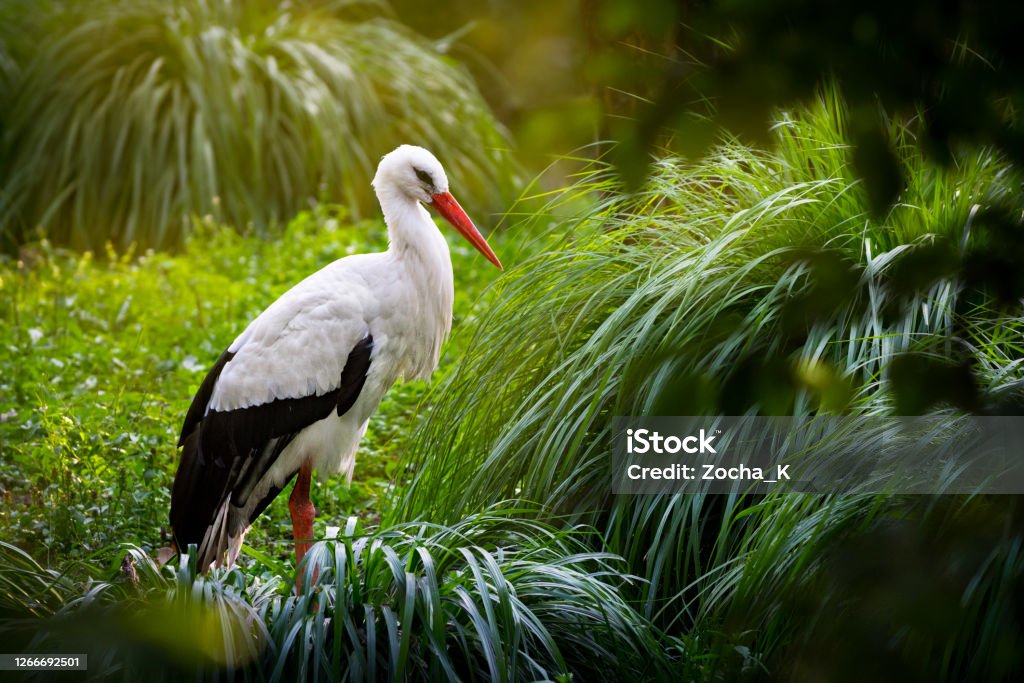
[294,392]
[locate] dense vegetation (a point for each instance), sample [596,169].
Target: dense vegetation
[479,539]
[751,281]
[714,290]
[492,598]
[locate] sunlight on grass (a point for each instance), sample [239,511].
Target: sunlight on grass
[100,360]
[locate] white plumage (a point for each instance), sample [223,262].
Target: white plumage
[289,365]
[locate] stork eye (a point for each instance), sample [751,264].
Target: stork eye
[424,178]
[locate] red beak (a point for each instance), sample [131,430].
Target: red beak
[446,205]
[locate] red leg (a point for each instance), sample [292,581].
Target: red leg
[302,513]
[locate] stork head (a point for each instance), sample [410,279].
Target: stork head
[415,173]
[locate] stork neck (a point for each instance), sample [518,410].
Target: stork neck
[411,232]
[419,248]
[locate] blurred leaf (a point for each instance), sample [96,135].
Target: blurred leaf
[920,382]
[875,161]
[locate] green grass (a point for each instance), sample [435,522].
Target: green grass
[121,120]
[751,281]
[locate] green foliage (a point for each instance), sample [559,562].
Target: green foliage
[125,119]
[490,598]
[752,281]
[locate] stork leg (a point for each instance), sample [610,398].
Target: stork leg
[303,513]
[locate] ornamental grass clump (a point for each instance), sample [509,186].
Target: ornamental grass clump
[123,120]
[752,281]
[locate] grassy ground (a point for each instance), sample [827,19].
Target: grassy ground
[99,358]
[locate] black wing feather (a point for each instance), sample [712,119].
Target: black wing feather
[202,398]
[227,452]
